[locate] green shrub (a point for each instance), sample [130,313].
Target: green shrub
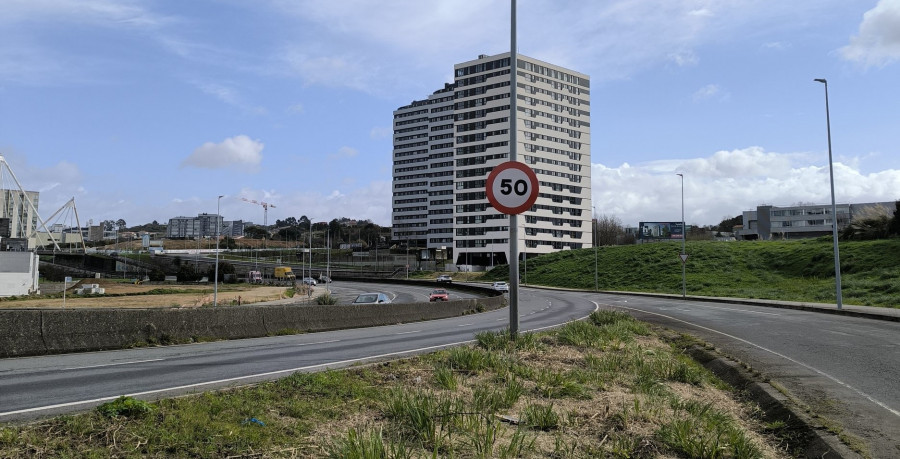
[326,299]
[125,406]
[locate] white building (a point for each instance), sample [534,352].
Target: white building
[801,221]
[446,145]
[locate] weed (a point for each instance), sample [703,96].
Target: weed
[540,417]
[125,406]
[471,360]
[445,377]
[519,445]
[580,333]
[370,444]
[327,300]
[555,384]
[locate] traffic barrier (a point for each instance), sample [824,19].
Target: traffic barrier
[25,332]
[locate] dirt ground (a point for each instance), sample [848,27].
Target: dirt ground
[198,296]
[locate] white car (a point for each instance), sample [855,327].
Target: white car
[309,281]
[372,298]
[500,286]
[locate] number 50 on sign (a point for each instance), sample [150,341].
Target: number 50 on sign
[512,188]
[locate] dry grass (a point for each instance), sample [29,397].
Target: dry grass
[137,296]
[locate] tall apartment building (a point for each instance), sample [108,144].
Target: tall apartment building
[446,145]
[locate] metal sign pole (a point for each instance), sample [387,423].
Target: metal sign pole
[513,257]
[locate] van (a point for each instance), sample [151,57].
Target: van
[254,277]
[284,273]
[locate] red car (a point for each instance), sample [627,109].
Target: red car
[439,294]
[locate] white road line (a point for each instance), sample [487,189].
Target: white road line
[837,332]
[409,332]
[319,342]
[464,325]
[736,310]
[111,364]
[820,372]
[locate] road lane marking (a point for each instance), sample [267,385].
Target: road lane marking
[464,325]
[111,364]
[816,370]
[319,342]
[837,332]
[409,332]
[736,310]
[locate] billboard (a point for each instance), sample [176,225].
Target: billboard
[660,231]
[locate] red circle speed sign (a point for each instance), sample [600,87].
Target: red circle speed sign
[512,188]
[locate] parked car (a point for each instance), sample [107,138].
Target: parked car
[309,281]
[439,294]
[500,286]
[371,298]
[444,278]
[324,279]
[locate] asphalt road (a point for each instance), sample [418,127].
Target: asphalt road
[845,368]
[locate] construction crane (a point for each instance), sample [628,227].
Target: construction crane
[265,206]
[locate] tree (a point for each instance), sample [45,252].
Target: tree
[108,225]
[120,224]
[608,229]
[255,232]
[894,227]
[728,223]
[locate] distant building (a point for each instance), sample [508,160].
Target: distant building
[203,225]
[14,206]
[795,222]
[234,228]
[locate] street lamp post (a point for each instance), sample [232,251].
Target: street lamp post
[594,233]
[834,216]
[218,226]
[683,241]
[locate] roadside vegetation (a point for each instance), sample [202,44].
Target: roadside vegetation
[801,270]
[604,387]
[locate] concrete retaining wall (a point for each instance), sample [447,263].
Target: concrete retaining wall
[26,332]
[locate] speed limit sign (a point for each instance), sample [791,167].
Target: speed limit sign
[512,188]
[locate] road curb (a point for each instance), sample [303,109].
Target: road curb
[816,443]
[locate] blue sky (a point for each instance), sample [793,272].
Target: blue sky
[146,110]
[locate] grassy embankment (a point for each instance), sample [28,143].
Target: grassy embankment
[607,387]
[788,270]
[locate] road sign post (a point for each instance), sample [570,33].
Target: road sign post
[512,188]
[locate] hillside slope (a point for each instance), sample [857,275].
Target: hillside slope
[800,270]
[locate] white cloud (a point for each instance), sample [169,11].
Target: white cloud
[239,151]
[710,92]
[878,42]
[296,108]
[729,182]
[684,58]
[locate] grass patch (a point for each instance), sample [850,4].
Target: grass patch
[801,270]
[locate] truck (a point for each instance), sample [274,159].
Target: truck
[284,273]
[254,277]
